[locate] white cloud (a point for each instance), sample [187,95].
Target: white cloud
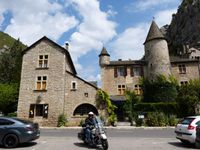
[141,5]
[94,30]
[129,44]
[34,19]
[164,17]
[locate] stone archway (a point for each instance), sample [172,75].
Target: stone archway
[84,109]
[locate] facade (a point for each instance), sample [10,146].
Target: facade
[50,86]
[117,76]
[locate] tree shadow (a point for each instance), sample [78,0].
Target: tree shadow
[78,144]
[21,145]
[182,145]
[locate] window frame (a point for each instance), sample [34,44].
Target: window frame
[33,110]
[42,83]
[73,85]
[182,69]
[43,65]
[121,88]
[138,89]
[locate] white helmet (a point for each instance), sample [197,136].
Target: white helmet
[90,113]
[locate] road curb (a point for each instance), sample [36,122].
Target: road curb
[111,127]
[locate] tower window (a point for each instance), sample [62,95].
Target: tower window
[184,83]
[182,69]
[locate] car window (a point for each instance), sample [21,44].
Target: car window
[187,121]
[5,122]
[23,121]
[198,123]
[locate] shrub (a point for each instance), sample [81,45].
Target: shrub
[81,122]
[166,108]
[13,114]
[62,120]
[172,120]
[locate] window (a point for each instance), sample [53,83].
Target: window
[184,83]
[41,82]
[137,71]
[182,69]
[5,122]
[43,61]
[138,89]
[38,110]
[73,85]
[120,71]
[121,89]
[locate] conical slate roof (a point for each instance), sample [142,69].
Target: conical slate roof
[104,52]
[154,33]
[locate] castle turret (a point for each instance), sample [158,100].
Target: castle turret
[104,57]
[156,53]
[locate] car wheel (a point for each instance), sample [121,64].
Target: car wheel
[10,141]
[197,144]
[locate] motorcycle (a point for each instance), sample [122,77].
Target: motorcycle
[98,135]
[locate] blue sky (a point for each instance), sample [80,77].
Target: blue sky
[87,25]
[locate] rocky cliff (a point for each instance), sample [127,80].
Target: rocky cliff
[185,27]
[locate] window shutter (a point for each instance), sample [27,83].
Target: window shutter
[115,72]
[125,71]
[45,109]
[131,70]
[31,111]
[142,71]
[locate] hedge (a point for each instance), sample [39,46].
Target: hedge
[166,108]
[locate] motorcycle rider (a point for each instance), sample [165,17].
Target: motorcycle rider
[90,122]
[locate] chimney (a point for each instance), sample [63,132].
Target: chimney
[67,46]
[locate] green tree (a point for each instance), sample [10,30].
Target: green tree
[188,98]
[131,100]
[104,102]
[159,90]
[10,64]
[8,98]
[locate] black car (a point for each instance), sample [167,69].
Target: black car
[14,131]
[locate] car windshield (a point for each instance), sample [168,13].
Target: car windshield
[187,121]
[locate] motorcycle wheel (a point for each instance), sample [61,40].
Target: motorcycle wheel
[104,144]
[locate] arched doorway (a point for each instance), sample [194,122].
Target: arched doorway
[84,109]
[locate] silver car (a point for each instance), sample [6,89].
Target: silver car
[186,129]
[14,131]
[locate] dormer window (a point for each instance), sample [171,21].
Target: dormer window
[43,61]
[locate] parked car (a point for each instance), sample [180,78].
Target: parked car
[186,129]
[14,131]
[197,140]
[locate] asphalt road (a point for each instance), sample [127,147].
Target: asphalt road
[119,139]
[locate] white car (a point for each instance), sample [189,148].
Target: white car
[186,129]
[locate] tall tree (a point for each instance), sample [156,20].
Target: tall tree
[10,64]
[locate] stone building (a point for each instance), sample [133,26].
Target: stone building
[50,86]
[117,76]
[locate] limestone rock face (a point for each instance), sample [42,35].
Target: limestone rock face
[185,27]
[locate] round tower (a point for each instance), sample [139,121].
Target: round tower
[104,57]
[156,53]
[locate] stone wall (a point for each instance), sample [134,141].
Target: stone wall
[84,94]
[54,95]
